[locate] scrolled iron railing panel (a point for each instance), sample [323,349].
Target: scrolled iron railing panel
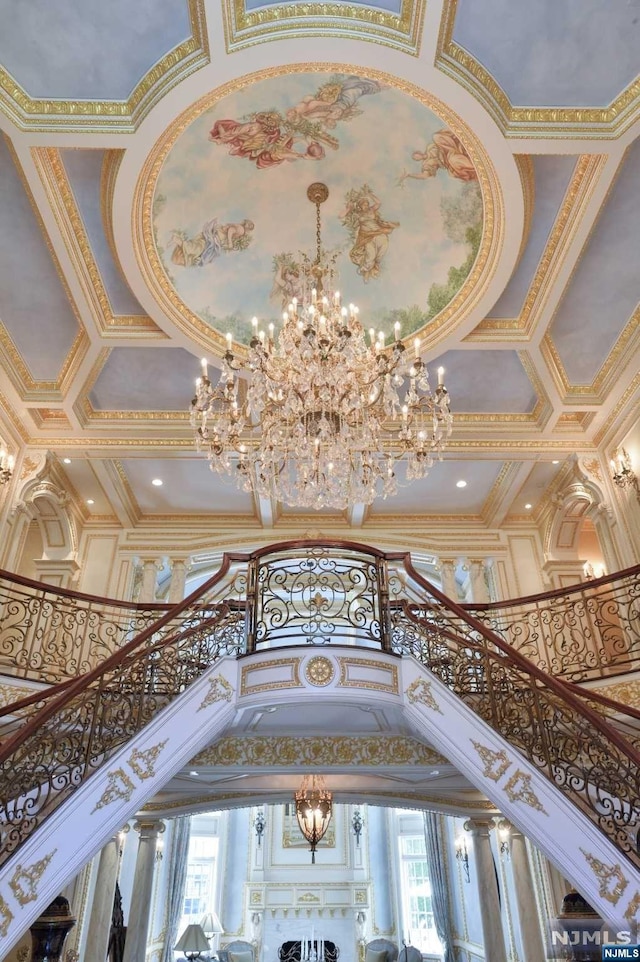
[49,634]
[582,758]
[68,740]
[319,596]
[581,633]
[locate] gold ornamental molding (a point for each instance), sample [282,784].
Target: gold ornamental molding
[276,751]
[211,340]
[619,418]
[612,880]
[260,677]
[403,31]
[48,163]
[583,182]
[319,671]
[40,114]
[594,123]
[368,673]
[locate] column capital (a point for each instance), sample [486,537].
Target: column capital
[149,828]
[478,826]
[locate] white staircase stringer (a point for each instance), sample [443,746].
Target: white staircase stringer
[73,834]
[524,795]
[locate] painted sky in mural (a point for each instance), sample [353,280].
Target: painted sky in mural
[231,216]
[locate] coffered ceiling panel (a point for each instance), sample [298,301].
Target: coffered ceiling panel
[145,379]
[34,307]
[438,492]
[552,175]
[83,49]
[188,486]
[605,289]
[468,375]
[533,489]
[580,53]
[84,169]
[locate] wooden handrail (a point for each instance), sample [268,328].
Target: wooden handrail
[554,592]
[84,681]
[559,688]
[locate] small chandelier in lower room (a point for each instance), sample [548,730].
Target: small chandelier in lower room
[314,808]
[327,414]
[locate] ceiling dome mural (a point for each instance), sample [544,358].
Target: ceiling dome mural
[231,219]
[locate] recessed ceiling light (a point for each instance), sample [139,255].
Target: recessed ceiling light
[66,460]
[90,501]
[157,482]
[461,484]
[528,506]
[555,462]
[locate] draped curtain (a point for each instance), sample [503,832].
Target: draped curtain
[439,891]
[177,855]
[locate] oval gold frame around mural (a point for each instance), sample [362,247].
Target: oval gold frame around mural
[213,341]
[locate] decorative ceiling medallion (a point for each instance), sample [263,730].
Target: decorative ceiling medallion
[319,671]
[222,227]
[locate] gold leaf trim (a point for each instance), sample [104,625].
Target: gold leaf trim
[219,690]
[244,28]
[518,789]
[605,122]
[6,917]
[495,763]
[420,691]
[142,763]
[30,113]
[119,787]
[319,671]
[606,874]
[24,881]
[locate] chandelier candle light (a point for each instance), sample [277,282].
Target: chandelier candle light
[327,415]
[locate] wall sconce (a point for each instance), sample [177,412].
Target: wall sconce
[159,849]
[357,824]
[259,825]
[622,474]
[7,462]
[504,838]
[122,838]
[462,855]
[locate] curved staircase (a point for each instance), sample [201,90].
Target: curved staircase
[80,757]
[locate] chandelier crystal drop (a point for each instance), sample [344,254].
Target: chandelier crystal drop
[326,415]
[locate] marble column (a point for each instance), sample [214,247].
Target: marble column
[179,569]
[150,568]
[135,948]
[102,905]
[557,884]
[532,944]
[448,575]
[488,898]
[479,590]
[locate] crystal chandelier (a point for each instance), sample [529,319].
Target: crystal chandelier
[314,807]
[326,415]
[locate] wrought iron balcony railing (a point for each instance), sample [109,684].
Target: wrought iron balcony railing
[587,631]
